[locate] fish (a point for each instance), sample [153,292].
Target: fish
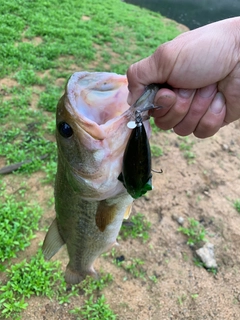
[90,201]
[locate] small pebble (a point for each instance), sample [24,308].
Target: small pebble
[180,220]
[206,254]
[225,147]
[189,193]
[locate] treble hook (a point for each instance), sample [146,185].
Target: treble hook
[156,171]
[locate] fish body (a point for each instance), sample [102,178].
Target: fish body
[90,201]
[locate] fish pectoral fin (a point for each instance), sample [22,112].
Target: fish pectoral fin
[128,211]
[105,215]
[52,242]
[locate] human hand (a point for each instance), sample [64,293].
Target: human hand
[202,66]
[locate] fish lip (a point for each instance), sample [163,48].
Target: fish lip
[81,122]
[91,127]
[114,85]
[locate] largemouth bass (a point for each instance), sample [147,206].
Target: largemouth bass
[90,201]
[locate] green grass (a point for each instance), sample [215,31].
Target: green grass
[36,277]
[186,147]
[156,151]
[134,267]
[49,97]
[18,221]
[42,44]
[155,129]
[195,232]
[64,33]
[137,227]
[40,278]
[36,37]
[236,205]
[20,145]
[198,262]
[90,285]
[94,309]
[25,133]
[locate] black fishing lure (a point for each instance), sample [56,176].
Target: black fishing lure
[136,170]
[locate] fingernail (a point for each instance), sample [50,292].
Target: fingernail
[207,91]
[166,96]
[185,93]
[217,103]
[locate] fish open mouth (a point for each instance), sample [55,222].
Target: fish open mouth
[99,96]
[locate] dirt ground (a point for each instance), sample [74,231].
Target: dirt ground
[203,189]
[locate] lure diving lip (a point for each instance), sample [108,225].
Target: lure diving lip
[145,101]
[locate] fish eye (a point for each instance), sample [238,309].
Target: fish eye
[65,129]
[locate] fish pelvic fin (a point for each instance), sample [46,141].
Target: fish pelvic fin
[75,277]
[52,242]
[128,211]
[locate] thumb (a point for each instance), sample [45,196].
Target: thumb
[141,74]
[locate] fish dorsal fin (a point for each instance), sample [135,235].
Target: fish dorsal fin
[105,215]
[128,211]
[52,242]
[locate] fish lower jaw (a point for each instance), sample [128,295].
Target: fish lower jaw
[99,194]
[75,277]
